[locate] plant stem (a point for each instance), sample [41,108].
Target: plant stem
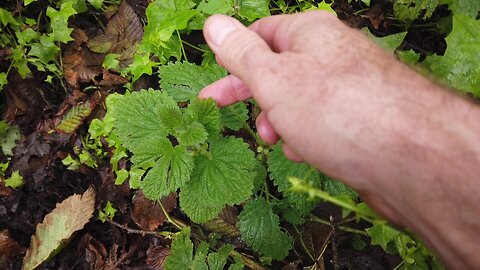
[181,46]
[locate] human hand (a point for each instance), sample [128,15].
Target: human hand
[407,145]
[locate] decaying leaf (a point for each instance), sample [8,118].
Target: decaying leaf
[156,256]
[80,65]
[226,222]
[58,226]
[9,249]
[123,32]
[94,252]
[148,214]
[74,117]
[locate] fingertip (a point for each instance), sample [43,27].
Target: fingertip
[290,154]
[265,129]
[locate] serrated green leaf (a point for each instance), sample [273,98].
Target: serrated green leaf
[181,254]
[171,171]
[45,50]
[206,113]
[183,81]
[59,22]
[253,9]
[111,61]
[7,18]
[15,180]
[225,177]
[260,229]
[234,116]
[192,134]
[141,65]
[410,10]
[136,117]
[164,17]
[217,260]
[26,36]
[459,66]
[335,187]
[216,7]
[467,7]
[281,169]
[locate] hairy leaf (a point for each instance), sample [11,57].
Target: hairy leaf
[459,66]
[223,177]
[58,226]
[206,113]
[260,228]
[281,168]
[254,9]
[234,116]
[412,9]
[217,7]
[183,81]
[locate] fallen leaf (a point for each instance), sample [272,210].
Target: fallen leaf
[58,226]
[94,253]
[226,222]
[148,214]
[80,65]
[123,32]
[156,256]
[75,117]
[9,249]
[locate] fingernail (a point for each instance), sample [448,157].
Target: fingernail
[220,28]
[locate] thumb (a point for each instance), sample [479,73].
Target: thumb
[240,50]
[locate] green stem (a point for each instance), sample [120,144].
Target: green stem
[181,46]
[343,228]
[195,47]
[180,227]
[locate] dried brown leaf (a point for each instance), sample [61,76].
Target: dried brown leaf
[9,249]
[58,226]
[123,32]
[225,224]
[156,256]
[148,214]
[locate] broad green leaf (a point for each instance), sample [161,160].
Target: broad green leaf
[96,3]
[224,177]
[183,81]
[142,64]
[164,17]
[181,252]
[7,18]
[467,7]
[260,229]
[206,113]
[253,9]
[26,36]
[58,226]
[15,180]
[335,187]
[217,260]
[111,62]
[281,169]
[136,117]
[181,256]
[389,43]
[59,22]
[28,2]
[234,116]
[459,67]
[192,134]
[217,7]
[45,50]
[171,171]
[9,135]
[410,10]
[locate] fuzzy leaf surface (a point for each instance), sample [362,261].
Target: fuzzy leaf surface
[183,81]
[260,228]
[234,116]
[459,66]
[281,168]
[223,177]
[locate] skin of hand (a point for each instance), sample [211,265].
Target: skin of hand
[408,146]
